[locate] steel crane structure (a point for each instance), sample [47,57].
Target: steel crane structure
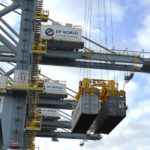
[20,123]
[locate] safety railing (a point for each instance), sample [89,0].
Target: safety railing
[40,47]
[42,14]
[29,138]
[125,52]
[20,83]
[34,124]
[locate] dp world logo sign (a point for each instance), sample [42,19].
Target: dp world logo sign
[49,32]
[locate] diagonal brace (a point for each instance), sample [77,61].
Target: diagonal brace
[1,28]
[9,72]
[13,11]
[9,27]
[6,10]
[7,43]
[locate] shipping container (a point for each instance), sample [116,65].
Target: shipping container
[62,37]
[110,115]
[55,87]
[85,113]
[61,33]
[47,112]
[64,45]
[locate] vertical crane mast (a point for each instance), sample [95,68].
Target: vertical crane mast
[21,104]
[23,72]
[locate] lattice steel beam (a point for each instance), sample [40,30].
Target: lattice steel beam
[7,43]
[8,9]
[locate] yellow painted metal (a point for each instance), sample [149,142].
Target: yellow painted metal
[29,138]
[34,120]
[40,47]
[135,62]
[120,53]
[3,91]
[38,85]
[42,14]
[87,54]
[102,88]
[136,68]
[38,57]
[34,124]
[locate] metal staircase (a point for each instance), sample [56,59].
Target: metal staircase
[39,5]
[39,46]
[29,139]
[34,68]
[34,118]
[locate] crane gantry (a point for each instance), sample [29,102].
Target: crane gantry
[21,97]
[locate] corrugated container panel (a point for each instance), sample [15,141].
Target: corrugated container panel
[53,87]
[61,33]
[64,45]
[47,112]
[110,115]
[85,113]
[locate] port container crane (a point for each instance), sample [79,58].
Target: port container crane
[22,98]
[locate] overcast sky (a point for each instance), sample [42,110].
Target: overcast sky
[131,23]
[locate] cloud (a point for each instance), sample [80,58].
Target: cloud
[73,11]
[129,134]
[141,110]
[65,11]
[143,33]
[144,3]
[118,11]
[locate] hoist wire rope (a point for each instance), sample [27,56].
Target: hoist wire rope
[86,4]
[87,31]
[90,21]
[105,21]
[86,16]
[99,28]
[90,10]
[85,11]
[112,28]
[81,75]
[105,32]
[99,21]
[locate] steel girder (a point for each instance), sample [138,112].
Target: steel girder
[56,124]
[68,135]
[8,9]
[9,27]
[59,104]
[96,61]
[1,28]
[7,44]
